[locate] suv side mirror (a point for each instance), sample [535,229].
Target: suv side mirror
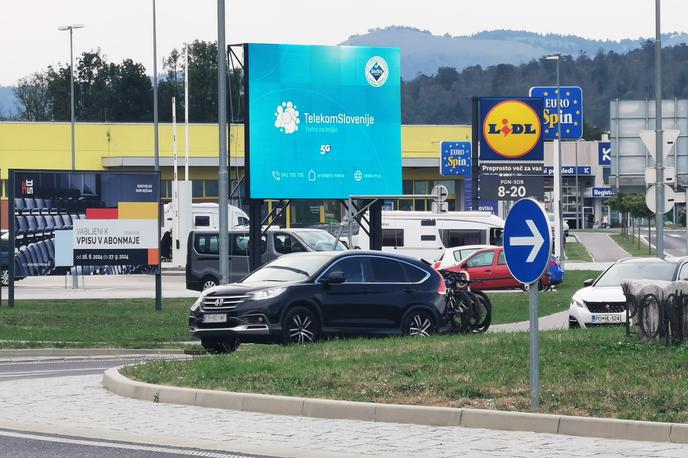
[588,282]
[332,278]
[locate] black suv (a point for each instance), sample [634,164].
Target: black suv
[300,297]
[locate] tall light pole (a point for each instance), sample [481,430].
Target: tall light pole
[558,233]
[578,212]
[71,82]
[222,178]
[156,160]
[659,147]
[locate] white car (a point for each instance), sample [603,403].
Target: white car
[603,302]
[453,256]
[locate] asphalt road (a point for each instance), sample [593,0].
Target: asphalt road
[48,368]
[601,247]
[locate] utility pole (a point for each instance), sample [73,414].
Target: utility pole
[659,148]
[223,182]
[158,275]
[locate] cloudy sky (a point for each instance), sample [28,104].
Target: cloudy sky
[122,28]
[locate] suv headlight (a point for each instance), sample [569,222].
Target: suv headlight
[578,302]
[268,293]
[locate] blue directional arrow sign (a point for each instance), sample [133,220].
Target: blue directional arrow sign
[527,241]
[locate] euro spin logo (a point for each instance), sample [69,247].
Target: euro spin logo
[512,129]
[287,118]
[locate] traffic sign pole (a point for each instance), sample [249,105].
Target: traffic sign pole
[659,219]
[527,247]
[534,347]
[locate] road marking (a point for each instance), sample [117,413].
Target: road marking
[118,445]
[50,371]
[535,241]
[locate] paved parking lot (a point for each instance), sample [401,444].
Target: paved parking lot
[81,403]
[99,287]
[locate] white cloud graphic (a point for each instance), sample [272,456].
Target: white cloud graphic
[287,118]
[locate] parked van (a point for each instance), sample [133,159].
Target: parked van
[207,216]
[425,235]
[203,260]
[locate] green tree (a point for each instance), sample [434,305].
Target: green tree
[32,96]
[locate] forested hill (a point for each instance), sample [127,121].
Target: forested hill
[423,53]
[445,98]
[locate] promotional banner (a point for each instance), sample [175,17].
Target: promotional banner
[324,121]
[571,103]
[88,223]
[511,129]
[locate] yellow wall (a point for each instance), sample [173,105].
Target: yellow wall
[48,145]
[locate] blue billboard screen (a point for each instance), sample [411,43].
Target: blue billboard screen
[324,121]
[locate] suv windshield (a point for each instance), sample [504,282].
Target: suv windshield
[288,268]
[637,271]
[320,241]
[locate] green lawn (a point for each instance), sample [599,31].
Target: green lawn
[630,244]
[596,372]
[575,251]
[123,323]
[513,306]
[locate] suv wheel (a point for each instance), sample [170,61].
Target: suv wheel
[4,276]
[300,326]
[208,282]
[219,346]
[419,323]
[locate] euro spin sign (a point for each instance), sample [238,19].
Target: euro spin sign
[511,129]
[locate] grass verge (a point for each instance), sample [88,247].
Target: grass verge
[591,372]
[575,251]
[121,323]
[630,245]
[513,306]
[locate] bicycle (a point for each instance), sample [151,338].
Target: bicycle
[468,311]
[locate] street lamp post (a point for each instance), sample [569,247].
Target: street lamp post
[578,212]
[659,165]
[559,240]
[75,278]
[71,81]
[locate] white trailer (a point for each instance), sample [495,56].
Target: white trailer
[425,235]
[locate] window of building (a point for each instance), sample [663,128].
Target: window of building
[210,188]
[197,188]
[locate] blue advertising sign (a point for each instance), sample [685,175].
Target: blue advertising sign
[571,102]
[604,151]
[603,192]
[456,158]
[527,241]
[570,170]
[488,206]
[511,129]
[324,121]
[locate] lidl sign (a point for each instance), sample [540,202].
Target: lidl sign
[511,129]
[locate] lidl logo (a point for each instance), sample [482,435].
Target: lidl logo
[511,129]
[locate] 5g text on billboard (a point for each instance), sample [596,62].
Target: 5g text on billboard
[511,129]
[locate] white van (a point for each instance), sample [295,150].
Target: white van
[207,216]
[425,235]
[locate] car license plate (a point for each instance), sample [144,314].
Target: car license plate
[215,318]
[606,319]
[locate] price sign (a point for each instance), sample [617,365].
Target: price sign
[497,187]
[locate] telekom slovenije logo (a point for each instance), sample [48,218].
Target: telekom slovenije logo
[287,118]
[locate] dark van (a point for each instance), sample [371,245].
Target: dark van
[202,258]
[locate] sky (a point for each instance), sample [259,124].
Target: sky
[122,29]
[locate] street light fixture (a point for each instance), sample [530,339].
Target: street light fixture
[559,242]
[71,29]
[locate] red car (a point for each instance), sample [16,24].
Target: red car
[487,268]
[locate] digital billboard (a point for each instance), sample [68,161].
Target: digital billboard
[86,223]
[511,129]
[324,121]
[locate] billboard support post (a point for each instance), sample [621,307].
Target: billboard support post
[255,207]
[11,244]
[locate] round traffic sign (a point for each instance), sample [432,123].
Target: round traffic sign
[651,199]
[527,240]
[440,192]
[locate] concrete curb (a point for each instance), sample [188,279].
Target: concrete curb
[607,428]
[74,352]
